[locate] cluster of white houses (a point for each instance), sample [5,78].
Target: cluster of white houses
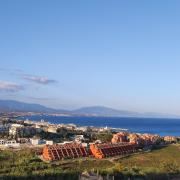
[16,143]
[31,128]
[13,130]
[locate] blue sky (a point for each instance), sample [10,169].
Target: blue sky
[68,54]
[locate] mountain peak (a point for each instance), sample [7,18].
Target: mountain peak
[104,111]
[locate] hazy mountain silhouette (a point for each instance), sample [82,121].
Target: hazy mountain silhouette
[16,106]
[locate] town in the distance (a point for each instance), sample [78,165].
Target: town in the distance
[63,142]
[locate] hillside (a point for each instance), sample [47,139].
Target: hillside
[16,106]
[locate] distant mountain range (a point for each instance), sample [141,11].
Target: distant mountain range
[16,106]
[104,111]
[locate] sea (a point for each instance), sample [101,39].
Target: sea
[161,126]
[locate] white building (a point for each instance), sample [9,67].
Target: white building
[84,144]
[49,142]
[78,138]
[82,128]
[2,141]
[52,129]
[36,141]
[9,143]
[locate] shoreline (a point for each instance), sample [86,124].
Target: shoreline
[152,125]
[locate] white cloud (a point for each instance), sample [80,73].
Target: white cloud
[38,79]
[8,70]
[10,87]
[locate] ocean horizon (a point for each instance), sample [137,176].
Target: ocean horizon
[161,126]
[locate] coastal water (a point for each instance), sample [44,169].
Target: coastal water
[139,125]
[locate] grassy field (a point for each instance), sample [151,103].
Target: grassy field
[25,164]
[164,162]
[161,163]
[155,159]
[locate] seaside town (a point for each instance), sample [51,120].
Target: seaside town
[66,141]
[39,149]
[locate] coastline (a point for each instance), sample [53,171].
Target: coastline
[138,125]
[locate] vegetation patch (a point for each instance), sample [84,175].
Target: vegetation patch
[157,164]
